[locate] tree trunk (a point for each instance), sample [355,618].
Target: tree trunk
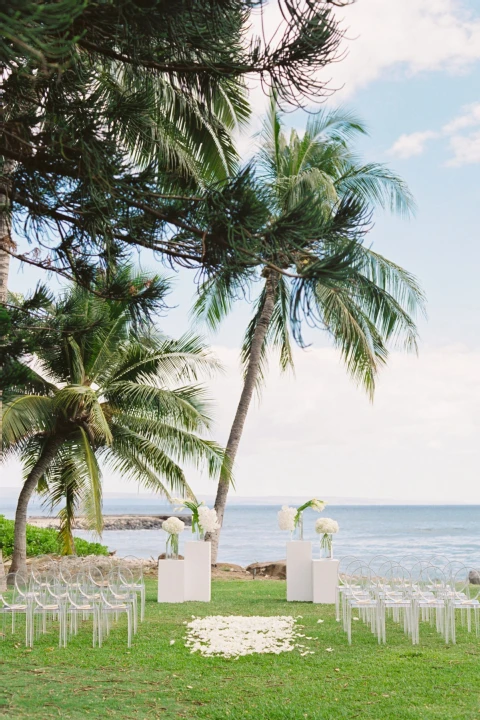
[20,537]
[5,242]
[243,405]
[3,582]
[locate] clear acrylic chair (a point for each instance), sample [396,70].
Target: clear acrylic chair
[360,597]
[135,566]
[347,574]
[14,603]
[121,584]
[45,606]
[83,601]
[429,601]
[440,561]
[114,601]
[397,600]
[409,561]
[463,597]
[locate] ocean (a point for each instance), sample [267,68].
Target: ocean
[251,534]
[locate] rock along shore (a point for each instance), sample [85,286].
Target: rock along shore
[112,522]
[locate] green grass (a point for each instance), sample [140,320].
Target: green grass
[158,680]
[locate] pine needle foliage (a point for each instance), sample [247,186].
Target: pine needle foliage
[117,119]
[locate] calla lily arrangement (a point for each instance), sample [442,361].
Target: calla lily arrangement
[314,503]
[191,504]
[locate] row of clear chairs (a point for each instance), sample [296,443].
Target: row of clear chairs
[63,591]
[409,591]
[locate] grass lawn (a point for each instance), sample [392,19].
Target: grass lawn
[158,680]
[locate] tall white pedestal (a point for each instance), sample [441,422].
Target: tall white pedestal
[325,580]
[198,571]
[171,581]
[299,571]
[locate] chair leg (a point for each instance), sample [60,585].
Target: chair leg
[129,627]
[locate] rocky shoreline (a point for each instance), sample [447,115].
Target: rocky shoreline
[112,522]
[269,570]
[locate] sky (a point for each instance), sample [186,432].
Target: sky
[412,73]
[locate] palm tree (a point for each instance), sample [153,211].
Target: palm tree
[6,168]
[364,312]
[105,389]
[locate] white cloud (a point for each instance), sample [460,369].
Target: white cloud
[468,118]
[465,148]
[409,36]
[384,39]
[316,433]
[409,145]
[382,36]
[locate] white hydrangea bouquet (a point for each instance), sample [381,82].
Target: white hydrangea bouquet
[207,519]
[173,526]
[289,518]
[326,527]
[286,519]
[204,519]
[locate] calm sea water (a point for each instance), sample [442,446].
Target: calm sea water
[250,532]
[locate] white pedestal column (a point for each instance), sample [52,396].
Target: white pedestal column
[198,571]
[299,571]
[171,581]
[325,580]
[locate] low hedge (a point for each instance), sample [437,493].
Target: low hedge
[43,541]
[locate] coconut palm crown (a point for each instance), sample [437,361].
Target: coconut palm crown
[368,309]
[105,389]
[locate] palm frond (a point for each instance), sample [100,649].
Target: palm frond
[26,415]
[216,297]
[92,495]
[377,184]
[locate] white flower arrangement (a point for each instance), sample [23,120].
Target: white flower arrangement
[173,526]
[289,518]
[286,518]
[207,519]
[314,503]
[233,636]
[326,527]
[204,519]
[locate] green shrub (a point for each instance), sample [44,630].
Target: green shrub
[43,541]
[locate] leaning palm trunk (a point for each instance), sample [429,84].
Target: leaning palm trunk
[20,534]
[251,378]
[3,582]
[5,243]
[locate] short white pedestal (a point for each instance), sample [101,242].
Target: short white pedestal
[171,581]
[299,571]
[325,580]
[198,571]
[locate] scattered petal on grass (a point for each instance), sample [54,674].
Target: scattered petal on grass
[172,642]
[320,621]
[328,649]
[233,636]
[356,618]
